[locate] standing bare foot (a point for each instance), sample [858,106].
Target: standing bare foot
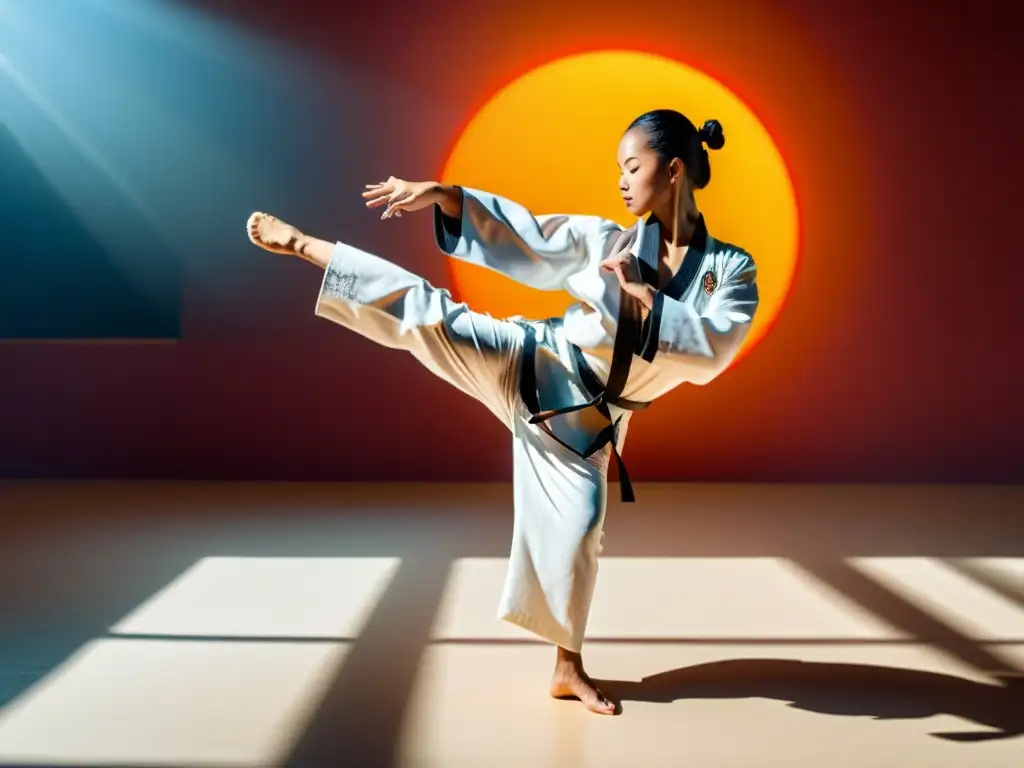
[274,235]
[570,681]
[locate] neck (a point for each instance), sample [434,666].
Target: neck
[679,219]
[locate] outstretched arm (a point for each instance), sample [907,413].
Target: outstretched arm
[500,234]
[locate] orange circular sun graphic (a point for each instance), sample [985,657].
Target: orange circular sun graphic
[549,142]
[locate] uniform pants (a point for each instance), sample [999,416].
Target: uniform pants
[559,497]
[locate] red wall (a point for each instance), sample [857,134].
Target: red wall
[896,357]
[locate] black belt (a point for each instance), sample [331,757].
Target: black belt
[601,396]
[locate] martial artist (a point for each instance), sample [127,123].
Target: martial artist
[660,304]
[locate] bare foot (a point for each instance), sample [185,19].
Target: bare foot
[272,234]
[570,681]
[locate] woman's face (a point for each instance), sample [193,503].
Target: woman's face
[644,183]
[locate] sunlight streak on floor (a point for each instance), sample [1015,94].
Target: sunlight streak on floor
[674,598]
[961,602]
[170,702]
[327,598]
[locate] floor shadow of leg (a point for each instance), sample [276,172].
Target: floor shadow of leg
[884,693]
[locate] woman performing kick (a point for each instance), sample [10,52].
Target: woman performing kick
[660,304]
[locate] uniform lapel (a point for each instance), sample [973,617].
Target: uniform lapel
[692,262]
[645,249]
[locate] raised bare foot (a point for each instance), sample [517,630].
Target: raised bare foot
[274,235]
[570,681]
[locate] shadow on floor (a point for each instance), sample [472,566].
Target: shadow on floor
[77,557]
[857,690]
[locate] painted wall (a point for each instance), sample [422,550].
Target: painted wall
[156,128]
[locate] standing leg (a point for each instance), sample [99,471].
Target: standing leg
[560,502]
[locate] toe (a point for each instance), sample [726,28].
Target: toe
[603,703]
[254,228]
[601,706]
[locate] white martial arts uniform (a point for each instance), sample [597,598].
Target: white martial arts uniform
[697,324]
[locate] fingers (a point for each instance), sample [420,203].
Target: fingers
[393,193]
[624,282]
[377,195]
[609,265]
[385,198]
[381,187]
[398,203]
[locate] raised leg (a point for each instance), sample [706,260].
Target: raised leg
[395,308]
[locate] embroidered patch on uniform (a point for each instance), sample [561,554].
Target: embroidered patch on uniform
[340,286]
[710,283]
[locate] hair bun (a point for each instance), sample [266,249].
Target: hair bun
[711,134]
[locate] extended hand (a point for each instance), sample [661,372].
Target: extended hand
[399,195]
[627,269]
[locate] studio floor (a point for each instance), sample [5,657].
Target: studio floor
[176,624]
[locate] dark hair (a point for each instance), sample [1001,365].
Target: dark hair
[671,134]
